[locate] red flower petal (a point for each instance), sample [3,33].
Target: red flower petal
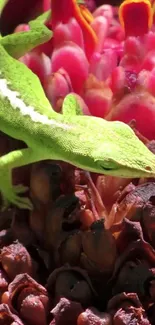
[63,11]
[130,11]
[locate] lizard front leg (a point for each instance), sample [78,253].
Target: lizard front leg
[9,161]
[17,44]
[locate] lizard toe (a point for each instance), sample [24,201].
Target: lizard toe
[12,197]
[23,203]
[20,189]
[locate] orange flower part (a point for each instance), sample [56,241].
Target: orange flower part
[136,17]
[64,10]
[86,14]
[153,7]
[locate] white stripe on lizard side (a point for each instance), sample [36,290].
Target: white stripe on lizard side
[18,103]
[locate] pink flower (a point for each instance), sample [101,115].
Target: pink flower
[39,63]
[97,96]
[46,5]
[57,86]
[73,59]
[74,25]
[102,65]
[138,106]
[118,55]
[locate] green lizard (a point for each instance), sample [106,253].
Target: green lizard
[87,142]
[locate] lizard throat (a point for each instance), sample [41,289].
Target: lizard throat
[17,103]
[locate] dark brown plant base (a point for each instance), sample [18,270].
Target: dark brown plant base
[84,256]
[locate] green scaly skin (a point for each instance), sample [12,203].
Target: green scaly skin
[18,44]
[87,142]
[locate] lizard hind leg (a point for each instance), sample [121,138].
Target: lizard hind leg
[10,193]
[71,106]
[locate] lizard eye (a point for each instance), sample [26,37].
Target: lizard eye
[108,165]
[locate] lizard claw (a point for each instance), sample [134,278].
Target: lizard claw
[11,196]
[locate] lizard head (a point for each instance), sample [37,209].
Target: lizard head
[114,149]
